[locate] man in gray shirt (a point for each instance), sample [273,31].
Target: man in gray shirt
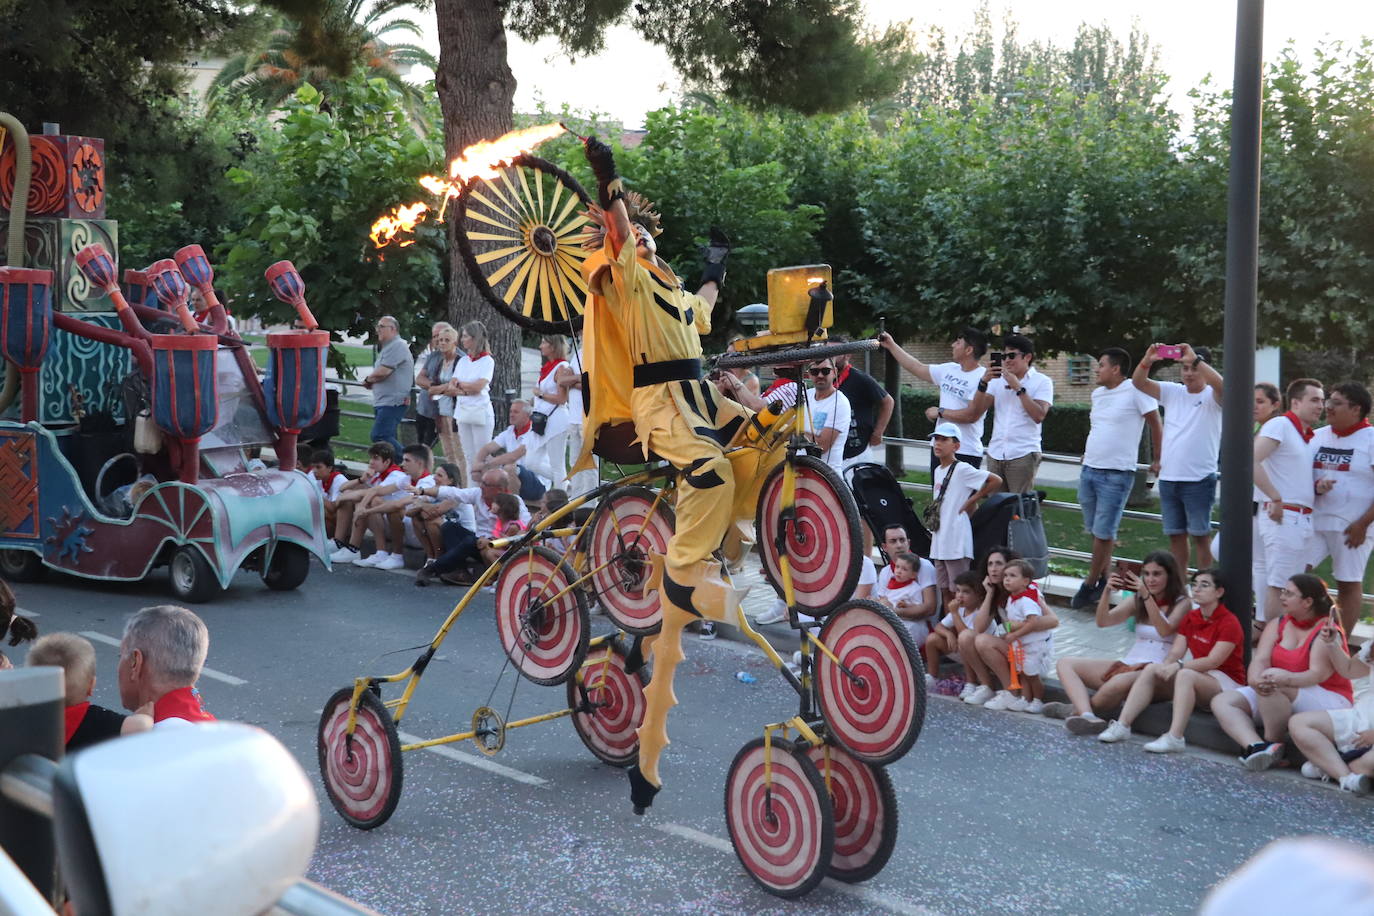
[390,382]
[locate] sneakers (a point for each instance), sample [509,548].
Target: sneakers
[344,554]
[370,560]
[1168,744]
[1085,725]
[1058,710]
[708,630]
[1261,756]
[1357,784]
[968,690]
[1311,771]
[1003,700]
[390,561]
[1114,732]
[980,696]
[1088,595]
[1035,707]
[776,614]
[930,683]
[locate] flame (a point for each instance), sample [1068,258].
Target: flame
[402,219]
[480,160]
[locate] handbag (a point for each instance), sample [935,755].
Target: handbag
[930,516]
[539,421]
[473,412]
[1026,534]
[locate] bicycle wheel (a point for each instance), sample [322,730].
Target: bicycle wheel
[541,621]
[519,235]
[865,806]
[780,822]
[874,700]
[361,772]
[615,706]
[823,542]
[628,525]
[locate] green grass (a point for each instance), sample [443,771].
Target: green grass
[357,357]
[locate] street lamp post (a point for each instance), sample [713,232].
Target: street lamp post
[1238,341]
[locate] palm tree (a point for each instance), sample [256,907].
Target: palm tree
[321,41]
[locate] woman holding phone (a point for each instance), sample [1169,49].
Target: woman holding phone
[1157,604]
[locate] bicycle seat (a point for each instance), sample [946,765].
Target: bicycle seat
[617,443]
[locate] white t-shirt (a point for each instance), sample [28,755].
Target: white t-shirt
[1192,432]
[1348,460]
[966,614]
[575,394]
[558,413]
[509,441]
[393,478]
[957,388]
[915,591]
[331,488]
[472,370]
[831,413]
[423,483]
[484,516]
[954,540]
[1118,415]
[1022,608]
[868,573]
[1014,433]
[1290,465]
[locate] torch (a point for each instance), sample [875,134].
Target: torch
[172,290]
[295,369]
[196,269]
[287,285]
[98,268]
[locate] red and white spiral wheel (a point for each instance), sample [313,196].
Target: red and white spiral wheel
[865,806]
[822,539]
[779,817]
[541,621]
[630,523]
[874,700]
[362,771]
[610,726]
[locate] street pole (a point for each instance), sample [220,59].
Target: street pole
[1238,341]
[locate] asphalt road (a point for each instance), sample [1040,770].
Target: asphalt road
[1000,812]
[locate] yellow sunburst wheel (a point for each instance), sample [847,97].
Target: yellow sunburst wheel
[519,235]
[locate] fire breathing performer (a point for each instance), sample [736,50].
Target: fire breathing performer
[642,356]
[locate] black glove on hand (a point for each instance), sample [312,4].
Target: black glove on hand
[602,161]
[716,254]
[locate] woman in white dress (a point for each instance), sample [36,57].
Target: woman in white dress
[551,400]
[471,385]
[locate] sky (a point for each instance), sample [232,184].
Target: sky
[1194,37]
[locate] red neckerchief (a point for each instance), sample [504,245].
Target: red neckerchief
[894,582]
[182,703]
[843,375]
[548,367]
[479,356]
[1350,430]
[520,432]
[1029,592]
[1305,431]
[378,478]
[329,481]
[414,480]
[73,716]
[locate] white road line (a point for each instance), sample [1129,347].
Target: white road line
[866,894]
[207,672]
[25,612]
[472,760]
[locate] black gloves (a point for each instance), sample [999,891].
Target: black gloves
[717,251]
[602,161]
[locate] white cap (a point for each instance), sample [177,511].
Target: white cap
[946,429]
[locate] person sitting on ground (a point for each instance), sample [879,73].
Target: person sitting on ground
[459,541]
[331,481]
[903,591]
[160,660]
[980,687]
[384,511]
[1288,674]
[1158,602]
[1328,738]
[382,471]
[554,500]
[506,524]
[18,629]
[85,723]
[922,599]
[1028,639]
[428,510]
[1213,636]
[944,641]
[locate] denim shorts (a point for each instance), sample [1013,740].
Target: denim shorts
[1187,505]
[1103,495]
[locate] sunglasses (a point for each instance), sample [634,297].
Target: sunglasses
[820,370]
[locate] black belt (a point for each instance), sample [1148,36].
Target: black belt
[669,370]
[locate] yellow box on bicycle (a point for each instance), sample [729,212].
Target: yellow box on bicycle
[789,297]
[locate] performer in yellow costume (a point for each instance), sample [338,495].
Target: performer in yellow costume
[642,356]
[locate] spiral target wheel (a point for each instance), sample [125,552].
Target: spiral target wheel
[874,700]
[821,535]
[362,771]
[780,818]
[541,621]
[519,233]
[865,806]
[629,525]
[608,723]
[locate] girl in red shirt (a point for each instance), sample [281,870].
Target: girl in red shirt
[1285,676]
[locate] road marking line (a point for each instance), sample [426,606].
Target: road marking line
[25,612]
[473,760]
[866,894]
[207,672]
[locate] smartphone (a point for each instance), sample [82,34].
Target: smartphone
[996,358]
[1127,568]
[1169,351]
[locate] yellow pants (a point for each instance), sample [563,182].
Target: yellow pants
[705,493]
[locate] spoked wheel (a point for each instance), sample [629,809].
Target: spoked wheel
[821,537]
[630,523]
[520,234]
[541,620]
[610,705]
[874,700]
[780,818]
[362,771]
[865,806]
